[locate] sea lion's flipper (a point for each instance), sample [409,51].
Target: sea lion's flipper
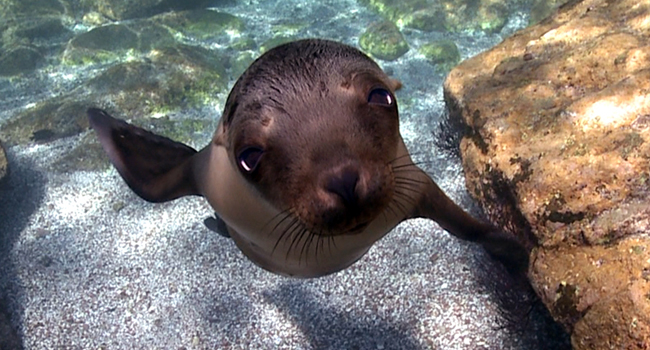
[216,224]
[435,205]
[155,168]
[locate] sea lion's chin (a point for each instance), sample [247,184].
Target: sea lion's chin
[340,220]
[340,229]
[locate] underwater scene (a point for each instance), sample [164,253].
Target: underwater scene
[87,264]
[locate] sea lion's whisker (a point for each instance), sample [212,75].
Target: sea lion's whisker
[410,164]
[389,207]
[306,245]
[287,232]
[288,215]
[408,187]
[319,241]
[398,158]
[406,198]
[399,206]
[296,241]
[408,179]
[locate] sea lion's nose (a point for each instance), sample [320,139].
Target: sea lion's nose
[344,185]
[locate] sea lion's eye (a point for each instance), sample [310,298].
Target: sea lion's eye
[249,158]
[381,97]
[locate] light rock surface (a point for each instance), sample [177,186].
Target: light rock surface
[558,150]
[3,164]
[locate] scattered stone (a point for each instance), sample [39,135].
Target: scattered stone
[442,53]
[430,19]
[492,18]
[240,63]
[113,37]
[33,8]
[558,152]
[47,121]
[276,41]
[152,36]
[417,14]
[169,79]
[447,15]
[202,24]
[101,44]
[20,60]
[384,41]
[120,9]
[543,8]
[43,31]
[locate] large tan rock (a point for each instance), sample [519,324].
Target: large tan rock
[3,164]
[558,151]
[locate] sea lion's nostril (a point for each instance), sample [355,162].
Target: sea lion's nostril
[344,185]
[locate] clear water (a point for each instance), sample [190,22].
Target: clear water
[84,263]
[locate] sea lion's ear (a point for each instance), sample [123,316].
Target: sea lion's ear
[395,84]
[155,168]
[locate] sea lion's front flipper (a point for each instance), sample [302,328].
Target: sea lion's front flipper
[155,167]
[435,205]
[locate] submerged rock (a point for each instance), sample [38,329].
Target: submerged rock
[443,54]
[4,168]
[558,151]
[20,60]
[101,44]
[32,8]
[47,121]
[168,79]
[447,15]
[129,9]
[202,24]
[543,8]
[384,41]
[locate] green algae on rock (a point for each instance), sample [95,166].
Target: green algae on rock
[33,8]
[277,40]
[384,41]
[101,44]
[169,79]
[42,31]
[442,53]
[429,19]
[113,42]
[447,15]
[47,121]
[20,59]
[130,9]
[202,24]
[543,8]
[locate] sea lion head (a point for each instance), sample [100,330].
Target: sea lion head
[314,127]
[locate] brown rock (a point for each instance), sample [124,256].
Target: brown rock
[559,153]
[3,164]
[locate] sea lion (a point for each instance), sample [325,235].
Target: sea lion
[307,167]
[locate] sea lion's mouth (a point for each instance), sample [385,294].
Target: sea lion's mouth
[358,228]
